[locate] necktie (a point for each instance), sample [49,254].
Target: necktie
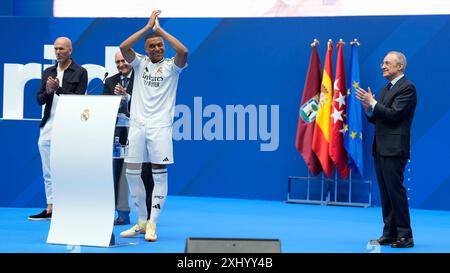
[384,92]
[125,82]
[388,86]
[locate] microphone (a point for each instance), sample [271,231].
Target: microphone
[102,83]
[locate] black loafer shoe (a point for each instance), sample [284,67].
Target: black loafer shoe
[403,243]
[44,215]
[383,241]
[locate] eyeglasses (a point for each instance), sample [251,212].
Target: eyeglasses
[387,63]
[120,61]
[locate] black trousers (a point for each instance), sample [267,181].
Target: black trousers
[394,198]
[146,174]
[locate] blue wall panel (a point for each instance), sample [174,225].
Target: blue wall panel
[259,62]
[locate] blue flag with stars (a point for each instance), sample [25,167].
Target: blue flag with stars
[353,136]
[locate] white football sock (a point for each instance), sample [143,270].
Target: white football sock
[137,191]
[159,193]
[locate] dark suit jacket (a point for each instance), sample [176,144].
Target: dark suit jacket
[108,89]
[392,116]
[111,82]
[74,82]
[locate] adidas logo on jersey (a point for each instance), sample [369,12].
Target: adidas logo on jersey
[165,159]
[157,206]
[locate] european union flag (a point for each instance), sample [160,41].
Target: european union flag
[353,136]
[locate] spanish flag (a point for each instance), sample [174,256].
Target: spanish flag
[321,137]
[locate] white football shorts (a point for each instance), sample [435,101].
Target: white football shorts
[150,145]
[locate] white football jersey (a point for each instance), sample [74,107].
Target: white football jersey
[154,91]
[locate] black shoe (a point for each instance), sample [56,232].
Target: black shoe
[403,243]
[383,241]
[41,216]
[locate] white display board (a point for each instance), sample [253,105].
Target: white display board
[246,8]
[81,166]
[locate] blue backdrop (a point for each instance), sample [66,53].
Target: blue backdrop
[259,64]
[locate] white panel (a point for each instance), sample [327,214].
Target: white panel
[49,52]
[81,163]
[246,8]
[15,78]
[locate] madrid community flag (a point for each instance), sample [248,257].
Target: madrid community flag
[321,137]
[353,137]
[308,112]
[338,117]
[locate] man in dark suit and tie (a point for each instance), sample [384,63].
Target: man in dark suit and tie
[122,84]
[392,113]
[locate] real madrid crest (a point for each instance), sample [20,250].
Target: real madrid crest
[159,72]
[85,115]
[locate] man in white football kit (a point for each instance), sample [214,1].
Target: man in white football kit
[151,117]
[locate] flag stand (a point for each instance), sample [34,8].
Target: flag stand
[314,131]
[325,197]
[349,193]
[309,199]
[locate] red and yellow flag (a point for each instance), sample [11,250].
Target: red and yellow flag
[321,137]
[338,117]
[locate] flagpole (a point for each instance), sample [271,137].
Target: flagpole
[307,190]
[315,43]
[350,186]
[335,183]
[330,43]
[321,190]
[355,41]
[341,41]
